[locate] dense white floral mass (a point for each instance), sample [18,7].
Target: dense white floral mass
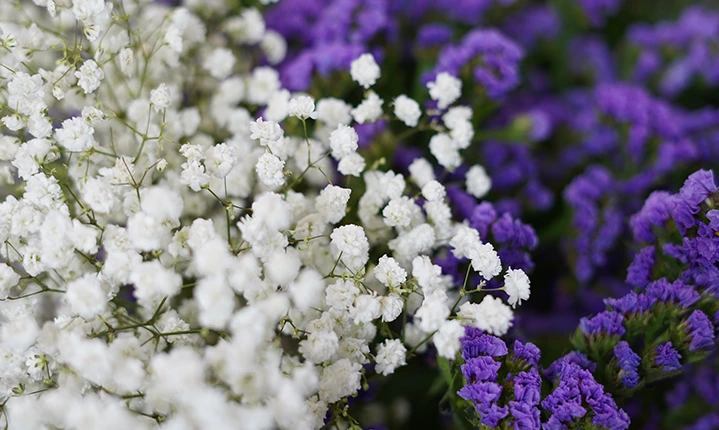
[182,249]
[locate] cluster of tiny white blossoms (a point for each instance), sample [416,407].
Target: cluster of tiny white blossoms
[171,259]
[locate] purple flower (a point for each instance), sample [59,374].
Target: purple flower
[598,10]
[674,292]
[701,331]
[480,369]
[498,61]
[527,351]
[628,362]
[656,211]
[640,270]
[697,188]
[476,343]
[575,388]
[667,357]
[607,322]
[632,303]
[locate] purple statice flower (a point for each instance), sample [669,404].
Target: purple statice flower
[598,10]
[527,351]
[640,270]
[674,53]
[476,343]
[433,35]
[482,218]
[480,369]
[578,398]
[532,24]
[628,362]
[573,357]
[700,330]
[631,303]
[605,323]
[527,394]
[484,396]
[494,59]
[667,357]
[590,56]
[673,292]
[325,36]
[697,188]
[657,210]
[597,224]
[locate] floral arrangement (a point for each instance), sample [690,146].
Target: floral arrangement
[320,214]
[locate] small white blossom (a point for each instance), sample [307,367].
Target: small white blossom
[446,89]
[364,70]
[491,315]
[302,107]
[407,110]
[478,182]
[516,285]
[89,76]
[390,355]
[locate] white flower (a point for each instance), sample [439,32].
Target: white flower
[343,141]
[369,110]
[89,76]
[429,276]
[319,346]
[389,272]
[302,107]
[421,171]
[491,315]
[332,203]
[351,165]
[465,238]
[364,70]
[270,170]
[516,285]
[341,295]
[445,150]
[8,279]
[407,110]
[433,191]
[447,339]
[220,159]
[97,193]
[76,135]
[433,312]
[446,89]
[160,97]
[266,131]
[485,260]
[478,182]
[86,296]
[398,212]
[365,309]
[274,46]
[391,307]
[340,379]
[219,63]
[333,112]
[390,355]
[264,82]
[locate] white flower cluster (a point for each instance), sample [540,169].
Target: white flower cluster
[159,261]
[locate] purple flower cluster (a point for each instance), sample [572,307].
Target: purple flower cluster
[331,33]
[628,363]
[598,10]
[674,53]
[492,57]
[514,396]
[580,400]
